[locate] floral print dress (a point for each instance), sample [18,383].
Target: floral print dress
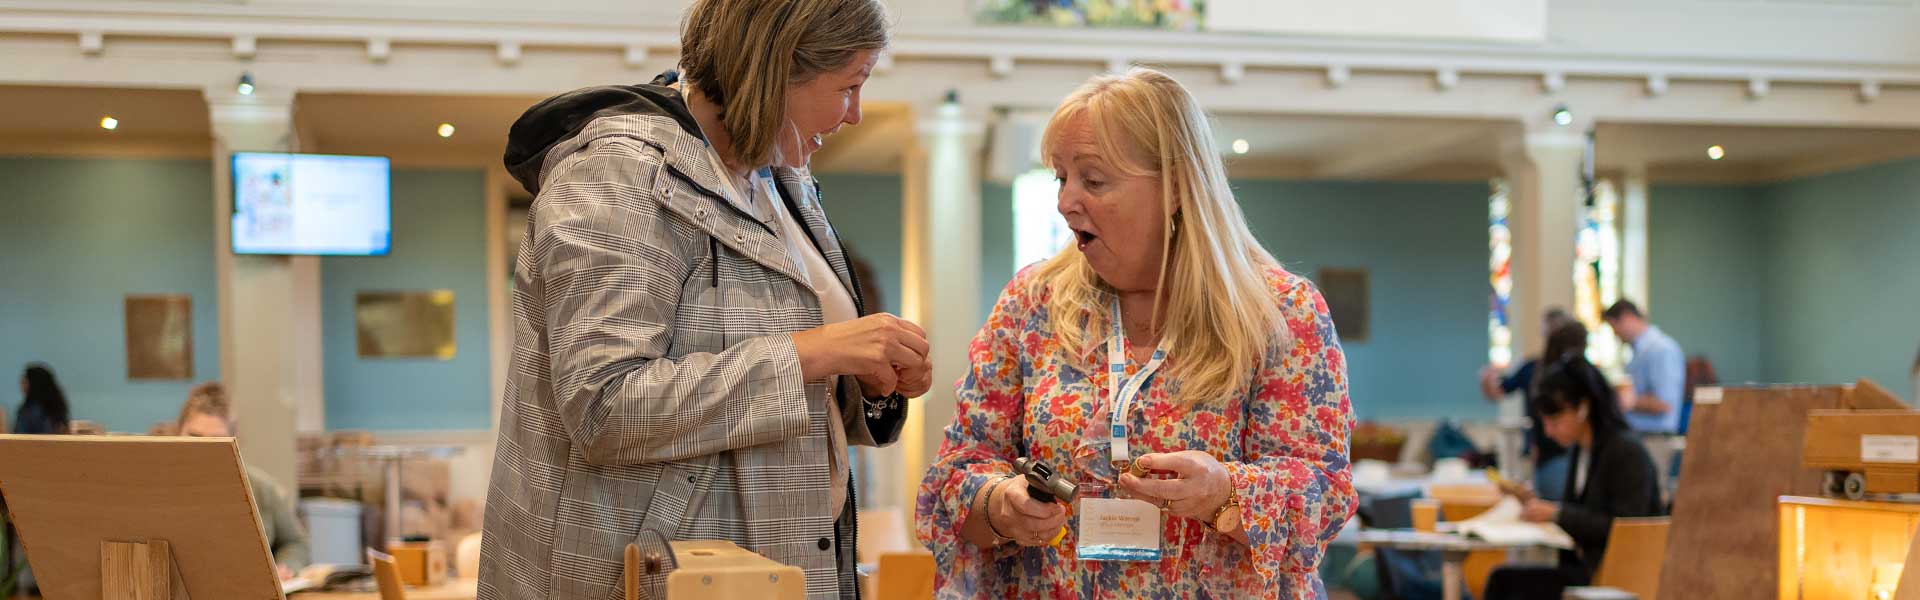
[1284,445]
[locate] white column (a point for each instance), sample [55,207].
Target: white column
[1543,170]
[270,335]
[940,273]
[1633,237]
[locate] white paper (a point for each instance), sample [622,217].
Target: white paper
[1502,525]
[1890,449]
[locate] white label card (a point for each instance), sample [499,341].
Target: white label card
[1706,395]
[1890,449]
[1118,530]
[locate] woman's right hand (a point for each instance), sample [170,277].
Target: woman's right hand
[1017,515]
[876,349]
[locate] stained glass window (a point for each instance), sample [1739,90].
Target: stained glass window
[1500,276]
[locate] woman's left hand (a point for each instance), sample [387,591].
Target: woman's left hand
[1540,511]
[1200,488]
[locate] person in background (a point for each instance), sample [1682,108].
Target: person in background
[43,409]
[1916,378]
[1658,371]
[1613,477]
[208,413]
[1549,468]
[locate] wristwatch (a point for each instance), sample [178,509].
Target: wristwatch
[1227,517]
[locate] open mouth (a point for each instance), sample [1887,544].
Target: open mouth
[1082,238]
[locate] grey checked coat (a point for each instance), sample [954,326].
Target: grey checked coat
[654,382]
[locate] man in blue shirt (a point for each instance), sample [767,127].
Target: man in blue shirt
[1658,371]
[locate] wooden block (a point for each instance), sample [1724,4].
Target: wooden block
[139,571]
[904,576]
[419,563]
[719,570]
[123,571]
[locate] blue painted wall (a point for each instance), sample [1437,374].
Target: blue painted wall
[1424,246]
[1706,248]
[1843,261]
[77,237]
[439,242]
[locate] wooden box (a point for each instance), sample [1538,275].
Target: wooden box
[1864,451]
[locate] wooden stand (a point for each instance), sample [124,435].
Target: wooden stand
[718,570]
[139,571]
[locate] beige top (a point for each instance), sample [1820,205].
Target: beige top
[836,306]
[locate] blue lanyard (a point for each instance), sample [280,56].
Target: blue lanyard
[1123,392]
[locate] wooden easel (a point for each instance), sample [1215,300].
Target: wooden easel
[137,518]
[139,571]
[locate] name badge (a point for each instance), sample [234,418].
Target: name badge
[1118,530]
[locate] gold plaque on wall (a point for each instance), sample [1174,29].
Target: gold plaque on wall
[1346,294]
[159,336]
[404,324]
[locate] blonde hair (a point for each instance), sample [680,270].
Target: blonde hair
[209,399]
[1219,316]
[742,55]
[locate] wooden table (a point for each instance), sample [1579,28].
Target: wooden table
[1453,550]
[459,589]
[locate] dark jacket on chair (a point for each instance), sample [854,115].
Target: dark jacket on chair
[1621,482]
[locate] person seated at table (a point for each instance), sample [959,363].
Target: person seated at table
[208,413]
[1613,476]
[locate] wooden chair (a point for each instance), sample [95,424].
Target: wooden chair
[1636,548]
[387,575]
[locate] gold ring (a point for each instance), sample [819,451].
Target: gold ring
[1138,470]
[1165,504]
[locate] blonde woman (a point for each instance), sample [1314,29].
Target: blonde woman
[692,354]
[1231,386]
[208,413]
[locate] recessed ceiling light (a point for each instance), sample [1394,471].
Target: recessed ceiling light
[446,130]
[1715,152]
[109,123]
[245,88]
[1240,147]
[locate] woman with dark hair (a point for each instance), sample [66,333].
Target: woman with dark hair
[44,409]
[1613,476]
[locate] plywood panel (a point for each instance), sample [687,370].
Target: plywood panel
[1726,533]
[67,494]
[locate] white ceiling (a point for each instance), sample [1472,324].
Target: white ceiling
[1280,145]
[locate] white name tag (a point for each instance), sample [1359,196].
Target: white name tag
[1706,395]
[1118,530]
[1890,449]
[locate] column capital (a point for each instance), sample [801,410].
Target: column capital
[262,120]
[951,119]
